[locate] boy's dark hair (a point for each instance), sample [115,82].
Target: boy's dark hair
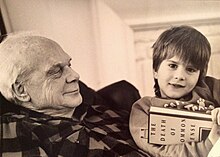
[185,42]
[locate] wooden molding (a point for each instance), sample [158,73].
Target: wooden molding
[153,26]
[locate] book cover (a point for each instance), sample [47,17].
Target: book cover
[173,126]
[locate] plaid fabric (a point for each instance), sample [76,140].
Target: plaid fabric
[93,131]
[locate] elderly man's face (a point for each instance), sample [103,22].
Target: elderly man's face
[53,83]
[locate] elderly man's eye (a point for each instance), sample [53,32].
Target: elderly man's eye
[58,71]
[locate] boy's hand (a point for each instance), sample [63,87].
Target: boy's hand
[200,106]
[215,132]
[216,115]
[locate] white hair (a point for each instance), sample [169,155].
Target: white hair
[13,51]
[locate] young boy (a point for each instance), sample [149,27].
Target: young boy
[180,61]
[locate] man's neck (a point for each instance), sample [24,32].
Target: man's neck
[66,113]
[54,112]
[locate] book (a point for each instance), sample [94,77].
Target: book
[174,126]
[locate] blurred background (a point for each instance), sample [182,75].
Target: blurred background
[110,40]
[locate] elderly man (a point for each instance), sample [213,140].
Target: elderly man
[37,79]
[36,73]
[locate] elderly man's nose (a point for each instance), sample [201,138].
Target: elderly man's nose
[72,76]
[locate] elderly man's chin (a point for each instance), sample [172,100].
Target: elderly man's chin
[68,106]
[72,100]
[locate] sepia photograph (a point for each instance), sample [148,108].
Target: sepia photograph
[109,78]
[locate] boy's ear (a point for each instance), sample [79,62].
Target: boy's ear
[155,74]
[20,92]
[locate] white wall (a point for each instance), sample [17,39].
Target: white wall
[114,45]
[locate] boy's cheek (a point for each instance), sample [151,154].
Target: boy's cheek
[216,115]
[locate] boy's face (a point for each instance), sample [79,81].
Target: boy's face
[175,78]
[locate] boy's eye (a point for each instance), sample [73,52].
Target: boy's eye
[191,70]
[172,66]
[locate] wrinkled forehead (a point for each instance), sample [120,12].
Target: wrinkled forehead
[40,51]
[45,50]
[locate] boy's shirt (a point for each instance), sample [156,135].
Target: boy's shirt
[206,94]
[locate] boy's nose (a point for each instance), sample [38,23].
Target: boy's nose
[72,75]
[180,74]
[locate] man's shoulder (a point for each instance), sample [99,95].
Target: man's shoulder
[16,137]
[11,117]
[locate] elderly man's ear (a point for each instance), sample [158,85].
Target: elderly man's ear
[20,92]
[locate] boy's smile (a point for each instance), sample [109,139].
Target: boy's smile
[176,85]
[175,78]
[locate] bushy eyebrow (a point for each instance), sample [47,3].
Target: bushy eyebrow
[70,60]
[52,68]
[57,65]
